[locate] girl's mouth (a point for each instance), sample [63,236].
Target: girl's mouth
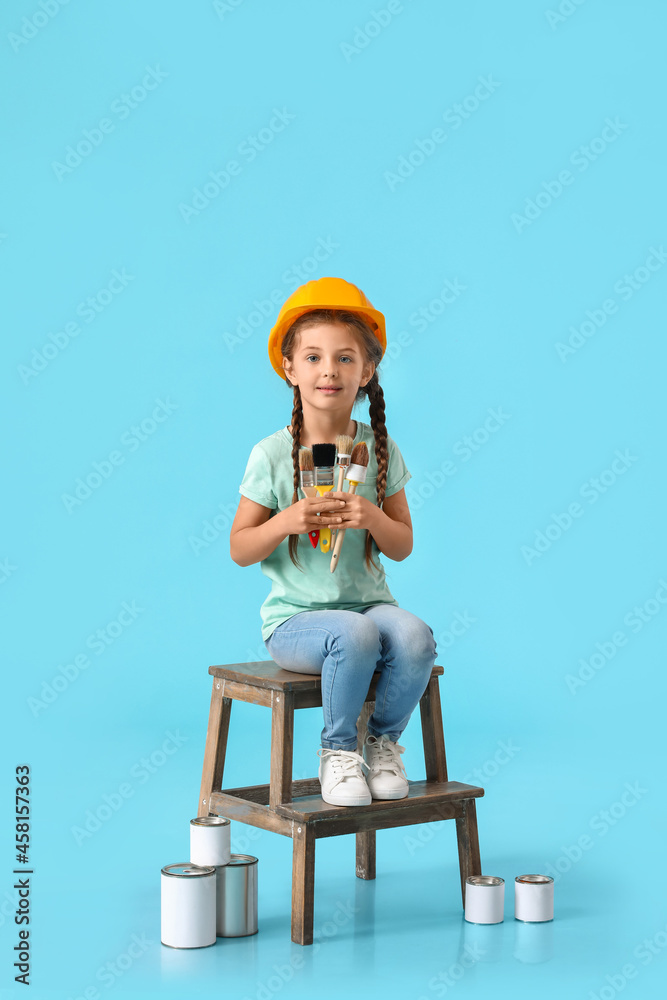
[328,392]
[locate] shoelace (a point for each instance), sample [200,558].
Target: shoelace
[344,763]
[386,756]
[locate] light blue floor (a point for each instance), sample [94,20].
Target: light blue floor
[404,930]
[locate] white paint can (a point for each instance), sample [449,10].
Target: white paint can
[209,841]
[485,899]
[237,896]
[188,906]
[534,897]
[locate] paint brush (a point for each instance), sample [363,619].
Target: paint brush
[356,474]
[344,446]
[307,478]
[324,458]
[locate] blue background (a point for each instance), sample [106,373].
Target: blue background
[351,166]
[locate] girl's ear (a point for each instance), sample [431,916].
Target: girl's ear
[369,371]
[285,369]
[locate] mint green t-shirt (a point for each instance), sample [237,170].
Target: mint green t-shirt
[269,480]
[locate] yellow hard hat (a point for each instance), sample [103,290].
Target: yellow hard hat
[323,293]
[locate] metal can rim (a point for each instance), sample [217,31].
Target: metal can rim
[485,880]
[240,859]
[534,879]
[202,870]
[209,821]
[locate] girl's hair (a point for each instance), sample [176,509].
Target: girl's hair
[373,351]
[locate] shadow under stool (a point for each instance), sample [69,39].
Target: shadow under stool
[296,809]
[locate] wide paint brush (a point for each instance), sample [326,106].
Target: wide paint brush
[307,478]
[356,473]
[324,457]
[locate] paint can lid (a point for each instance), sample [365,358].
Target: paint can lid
[187,868]
[209,821]
[540,879]
[485,880]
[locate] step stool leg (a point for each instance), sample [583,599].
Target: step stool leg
[366,854]
[303,882]
[365,840]
[215,747]
[282,738]
[466,835]
[432,732]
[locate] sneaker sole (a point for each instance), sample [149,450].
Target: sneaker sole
[398,794]
[359,800]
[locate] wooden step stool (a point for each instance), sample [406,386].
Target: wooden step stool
[296,808]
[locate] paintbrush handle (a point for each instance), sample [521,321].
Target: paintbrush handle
[341,481]
[325,533]
[340,534]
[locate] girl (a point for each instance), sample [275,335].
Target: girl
[327,344]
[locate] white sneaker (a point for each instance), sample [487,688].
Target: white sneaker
[342,778]
[386,777]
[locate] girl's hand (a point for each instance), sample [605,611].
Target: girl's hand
[358,512]
[302,517]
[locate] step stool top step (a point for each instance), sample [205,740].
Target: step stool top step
[421,793]
[267,674]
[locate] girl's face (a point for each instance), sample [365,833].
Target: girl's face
[328,356]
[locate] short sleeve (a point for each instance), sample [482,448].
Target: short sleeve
[257,483]
[397,472]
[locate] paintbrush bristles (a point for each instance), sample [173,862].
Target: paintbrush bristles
[344,446]
[360,454]
[324,455]
[306,462]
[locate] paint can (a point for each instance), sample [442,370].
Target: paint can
[237,896]
[209,840]
[188,906]
[485,899]
[534,897]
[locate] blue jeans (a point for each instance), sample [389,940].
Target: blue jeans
[346,647]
